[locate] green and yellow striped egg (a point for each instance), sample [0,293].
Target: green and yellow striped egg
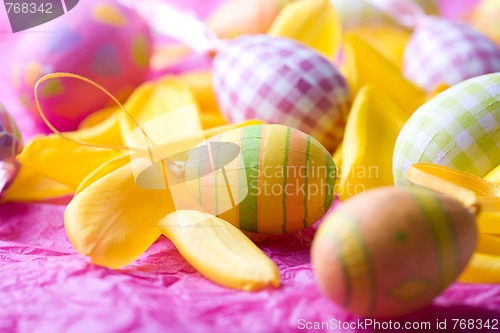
[390,251]
[273,179]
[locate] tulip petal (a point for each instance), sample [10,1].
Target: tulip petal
[201,85]
[102,171]
[219,251]
[366,66]
[113,221]
[372,128]
[494,175]
[30,186]
[312,22]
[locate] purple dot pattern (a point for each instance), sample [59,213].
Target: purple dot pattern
[448,52]
[280,81]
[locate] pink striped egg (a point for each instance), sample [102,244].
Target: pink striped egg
[280,81]
[445,52]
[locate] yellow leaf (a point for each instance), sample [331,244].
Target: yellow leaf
[31,186]
[366,66]
[482,268]
[372,128]
[219,251]
[113,220]
[312,22]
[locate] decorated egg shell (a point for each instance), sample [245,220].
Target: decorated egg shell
[445,52]
[280,81]
[269,179]
[100,40]
[10,147]
[359,13]
[486,18]
[389,251]
[458,129]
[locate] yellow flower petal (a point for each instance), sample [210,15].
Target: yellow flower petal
[482,268]
[371,132]
[366,66]
[201,85]
[30,186]
[312,22]
[488,244]
[102,171]
[113,221]
[98,117]
[219,251]
[489,223]
[494,175]
[216,130]
[388,41]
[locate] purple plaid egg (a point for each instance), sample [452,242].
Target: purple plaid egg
[280,81]
[10,146]
[448,52]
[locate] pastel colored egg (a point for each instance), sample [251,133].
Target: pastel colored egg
[360,13]
[389,251]
[486,18]
[280,81]
[100,40]
[446,52]
[458,129]
[268,179]
[10,147]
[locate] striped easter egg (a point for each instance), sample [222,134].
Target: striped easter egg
[267,179]
[10,147]
[390,251]
[446,52]
[458,129]
[281,81]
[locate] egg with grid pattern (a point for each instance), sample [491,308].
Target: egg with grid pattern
[10,147]
[459,128]
[100,40]
[280,81]
[388,251]
[266,179]
[445,52]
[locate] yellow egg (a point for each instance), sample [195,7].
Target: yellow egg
[390,251]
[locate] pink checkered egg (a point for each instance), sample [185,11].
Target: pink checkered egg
[280,81]
[100,40]
[445,52]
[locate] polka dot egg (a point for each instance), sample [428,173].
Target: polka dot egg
[280,81]
[100,40]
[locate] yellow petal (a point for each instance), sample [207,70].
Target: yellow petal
[211,120]
[30,186]
[102,171]
[366,66]
[97,117]
[312,22]
[201,85]
[482,268]
[219,251]
[489,223]
[488,244]
[113,221]
[63,161]
[216,130]
[388,41]
[372,128]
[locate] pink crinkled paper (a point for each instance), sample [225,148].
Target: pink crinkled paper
[46,286]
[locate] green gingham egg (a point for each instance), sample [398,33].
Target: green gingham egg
[459,128]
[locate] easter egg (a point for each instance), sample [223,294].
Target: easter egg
[267,179]
[10,147]
[359,13]
[100,40]
[446,52]
[486,18]
[280,81]
[389,251]
[458,129]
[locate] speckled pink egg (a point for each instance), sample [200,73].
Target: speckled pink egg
[445,52]
[280,81]
[100,40]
